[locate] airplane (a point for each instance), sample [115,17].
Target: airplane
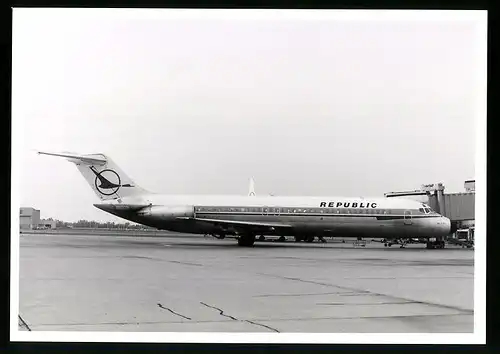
[244,217]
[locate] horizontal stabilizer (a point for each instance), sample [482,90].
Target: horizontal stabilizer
[96,159]
[120,207]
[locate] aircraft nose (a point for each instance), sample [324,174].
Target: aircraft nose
[446,225]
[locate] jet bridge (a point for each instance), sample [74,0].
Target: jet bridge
[458,207]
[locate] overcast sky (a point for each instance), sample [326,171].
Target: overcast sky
[198,104]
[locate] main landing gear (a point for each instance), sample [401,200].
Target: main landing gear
[435,244]
[246,240]
[401,242]
[218,236]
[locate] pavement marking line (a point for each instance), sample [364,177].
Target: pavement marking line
[372,292]
[255,319]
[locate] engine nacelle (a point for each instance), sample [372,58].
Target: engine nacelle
[167,212]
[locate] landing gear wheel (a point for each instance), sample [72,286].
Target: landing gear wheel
[282,239]
[262,238]
[246,240]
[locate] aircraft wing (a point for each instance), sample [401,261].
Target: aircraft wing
[242,225]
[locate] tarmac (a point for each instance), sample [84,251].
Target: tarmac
[189,283]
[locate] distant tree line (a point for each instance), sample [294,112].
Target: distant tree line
[100,225]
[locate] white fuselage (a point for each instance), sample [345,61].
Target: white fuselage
[325,216]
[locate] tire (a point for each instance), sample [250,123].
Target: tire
[246,240]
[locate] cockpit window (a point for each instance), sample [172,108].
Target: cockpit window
[421,210]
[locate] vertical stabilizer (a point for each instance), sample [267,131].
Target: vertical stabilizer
[251,188]
[105,178]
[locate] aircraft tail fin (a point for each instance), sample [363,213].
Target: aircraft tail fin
[105,178]
[251,188]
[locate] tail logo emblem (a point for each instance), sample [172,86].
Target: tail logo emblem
[107,182]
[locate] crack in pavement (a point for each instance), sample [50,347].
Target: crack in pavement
[361,291]
[23,322]
[221,311]
[235,319]
[263,325]
[175,313]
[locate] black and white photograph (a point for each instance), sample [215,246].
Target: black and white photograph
[274,176]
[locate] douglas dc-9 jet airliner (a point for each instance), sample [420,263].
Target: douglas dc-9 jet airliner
[244,217]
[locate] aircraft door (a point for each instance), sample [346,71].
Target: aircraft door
[407,217]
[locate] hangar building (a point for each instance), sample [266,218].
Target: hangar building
[29,218]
